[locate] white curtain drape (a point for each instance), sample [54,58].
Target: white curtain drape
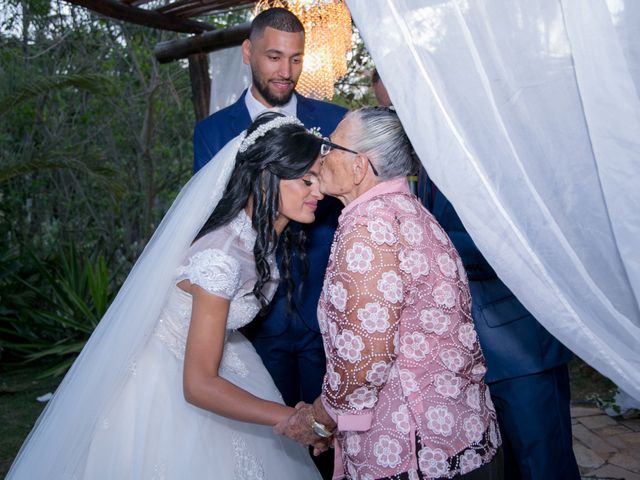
[229,77]
[527,116]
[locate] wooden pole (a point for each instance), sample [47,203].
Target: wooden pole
[207,42]
[200,84]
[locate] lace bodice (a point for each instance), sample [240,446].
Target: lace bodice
[222,263]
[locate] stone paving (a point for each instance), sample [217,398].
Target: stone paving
[605,447]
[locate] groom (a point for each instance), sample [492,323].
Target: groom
[288,338]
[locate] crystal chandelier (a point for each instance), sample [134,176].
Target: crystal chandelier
[327,26]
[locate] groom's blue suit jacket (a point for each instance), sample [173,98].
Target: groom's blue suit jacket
[211,134]
[513,341]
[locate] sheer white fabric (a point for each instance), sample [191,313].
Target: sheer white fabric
[120,411]
[527,117]
[229,77]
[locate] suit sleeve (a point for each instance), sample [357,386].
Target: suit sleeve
[202,149]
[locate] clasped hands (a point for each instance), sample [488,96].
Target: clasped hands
[298,427]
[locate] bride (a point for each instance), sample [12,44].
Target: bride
[166,387]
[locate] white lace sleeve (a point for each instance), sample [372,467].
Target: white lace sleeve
[214,270]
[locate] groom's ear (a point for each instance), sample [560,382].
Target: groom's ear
[246,51]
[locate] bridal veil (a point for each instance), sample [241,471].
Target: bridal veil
[62,434]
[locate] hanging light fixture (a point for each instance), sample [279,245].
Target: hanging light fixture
[327,26]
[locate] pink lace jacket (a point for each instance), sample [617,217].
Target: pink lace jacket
[405,371]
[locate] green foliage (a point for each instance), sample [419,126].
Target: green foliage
[50,306]
[588,386]
[96,136]
[101,174]
[91,82]
[605,402]
[354,89]
[95,143]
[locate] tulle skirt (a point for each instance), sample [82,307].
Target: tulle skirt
[151,432]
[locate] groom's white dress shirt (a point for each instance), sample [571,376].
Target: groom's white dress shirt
[256,108]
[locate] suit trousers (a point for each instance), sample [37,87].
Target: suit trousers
[295,359]
[535,422]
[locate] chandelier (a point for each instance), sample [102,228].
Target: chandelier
[327,26]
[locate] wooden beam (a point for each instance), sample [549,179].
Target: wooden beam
[200,84]
[207,42]
[148,18]
[192,8]
[191,11]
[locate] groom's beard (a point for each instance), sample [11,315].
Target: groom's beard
[272,99]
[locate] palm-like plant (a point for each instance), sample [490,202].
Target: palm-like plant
[50,307]
[15,165]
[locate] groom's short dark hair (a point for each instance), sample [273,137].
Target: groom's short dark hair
[277,18]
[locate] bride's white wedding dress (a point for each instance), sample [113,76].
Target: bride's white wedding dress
[120,412]
[151,432]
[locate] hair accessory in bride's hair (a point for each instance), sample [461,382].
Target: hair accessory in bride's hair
[315,131]
[264,128]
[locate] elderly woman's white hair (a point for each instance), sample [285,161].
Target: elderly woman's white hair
[380,136]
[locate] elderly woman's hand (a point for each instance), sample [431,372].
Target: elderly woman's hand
[298,427]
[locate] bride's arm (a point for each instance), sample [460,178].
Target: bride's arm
[202,385]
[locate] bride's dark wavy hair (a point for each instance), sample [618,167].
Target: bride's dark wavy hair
[282,153]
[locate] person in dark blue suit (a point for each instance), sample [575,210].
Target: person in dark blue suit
[288,338]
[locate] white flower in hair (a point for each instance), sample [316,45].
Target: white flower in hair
[264,128]
[315,131]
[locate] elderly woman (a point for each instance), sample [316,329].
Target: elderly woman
[404,392]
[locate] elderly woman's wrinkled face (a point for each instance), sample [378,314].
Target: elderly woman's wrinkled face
[336,167]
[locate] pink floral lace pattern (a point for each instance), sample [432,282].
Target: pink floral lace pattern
[401,348]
